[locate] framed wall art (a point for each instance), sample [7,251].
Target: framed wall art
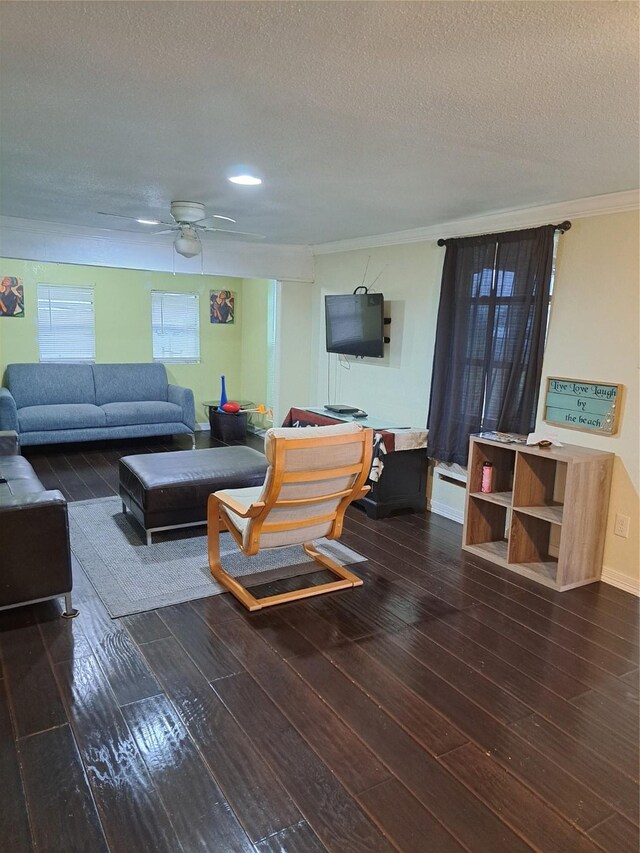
[222,306]
[584,405]
[11,296]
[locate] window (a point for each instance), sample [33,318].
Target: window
[175,322]
[66,323]
[492,322]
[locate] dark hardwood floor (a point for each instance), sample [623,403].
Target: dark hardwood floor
[445,705]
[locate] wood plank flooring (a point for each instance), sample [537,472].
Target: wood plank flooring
[445,705]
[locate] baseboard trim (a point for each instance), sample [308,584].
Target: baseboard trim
[446,511]
[203,427]
[609,576]
[620,581]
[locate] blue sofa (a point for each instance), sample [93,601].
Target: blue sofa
[51,403]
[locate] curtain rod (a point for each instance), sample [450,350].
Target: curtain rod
[561,227]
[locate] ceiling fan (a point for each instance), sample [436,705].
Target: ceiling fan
[189,218]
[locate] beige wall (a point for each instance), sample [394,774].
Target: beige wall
[395,388]
[295,347]
[593,335]
[253,363]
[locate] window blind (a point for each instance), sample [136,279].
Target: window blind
[66,323]
[175,321]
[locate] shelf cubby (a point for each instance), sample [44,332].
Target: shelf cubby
[547,514]
[529,543]
[539,483]
[503,461]
[487,520]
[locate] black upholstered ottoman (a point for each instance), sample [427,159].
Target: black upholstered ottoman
[167,490]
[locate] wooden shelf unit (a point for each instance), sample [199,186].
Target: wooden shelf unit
[546,518]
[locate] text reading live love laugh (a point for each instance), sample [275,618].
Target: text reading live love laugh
[582,405]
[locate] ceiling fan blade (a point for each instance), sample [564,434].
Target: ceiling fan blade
[203,223]
[134,218]
[239,233]
[167,230]
[119,215]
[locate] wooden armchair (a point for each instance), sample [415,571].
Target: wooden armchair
[313,476]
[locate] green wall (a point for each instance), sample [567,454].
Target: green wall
[123,325]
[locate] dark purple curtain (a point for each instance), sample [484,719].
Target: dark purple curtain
[492,322]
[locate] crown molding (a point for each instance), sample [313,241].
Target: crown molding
[503,220]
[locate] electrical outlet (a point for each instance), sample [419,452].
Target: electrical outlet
[621,526]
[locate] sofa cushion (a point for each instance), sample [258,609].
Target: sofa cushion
[48,384]
[128,383]
[141,412]
[73,416]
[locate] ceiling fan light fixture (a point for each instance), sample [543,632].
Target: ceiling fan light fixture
[187,243]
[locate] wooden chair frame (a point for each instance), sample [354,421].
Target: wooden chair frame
[220,504]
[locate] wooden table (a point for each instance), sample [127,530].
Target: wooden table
[226,427]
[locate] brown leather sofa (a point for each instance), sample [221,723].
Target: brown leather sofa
[35,557]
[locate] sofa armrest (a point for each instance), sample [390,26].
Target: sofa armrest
[17,503]
[36,557]
[183,397]
[8,411]
[9,444]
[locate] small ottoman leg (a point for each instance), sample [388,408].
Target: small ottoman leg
[149,539]
[124,508]
[70,611]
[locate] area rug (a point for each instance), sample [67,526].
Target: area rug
[131,577]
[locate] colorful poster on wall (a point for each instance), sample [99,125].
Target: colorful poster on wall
[11,297]
[222,304]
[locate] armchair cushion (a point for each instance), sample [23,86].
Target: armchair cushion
[303,459]
[245,497]
[296,432]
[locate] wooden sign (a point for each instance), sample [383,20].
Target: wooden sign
[587,406]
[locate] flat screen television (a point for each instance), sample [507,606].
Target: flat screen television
[355,324]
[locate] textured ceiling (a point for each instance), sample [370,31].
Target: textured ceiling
[362,117]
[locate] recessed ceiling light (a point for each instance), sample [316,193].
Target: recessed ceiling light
[149,221]
[246,180]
